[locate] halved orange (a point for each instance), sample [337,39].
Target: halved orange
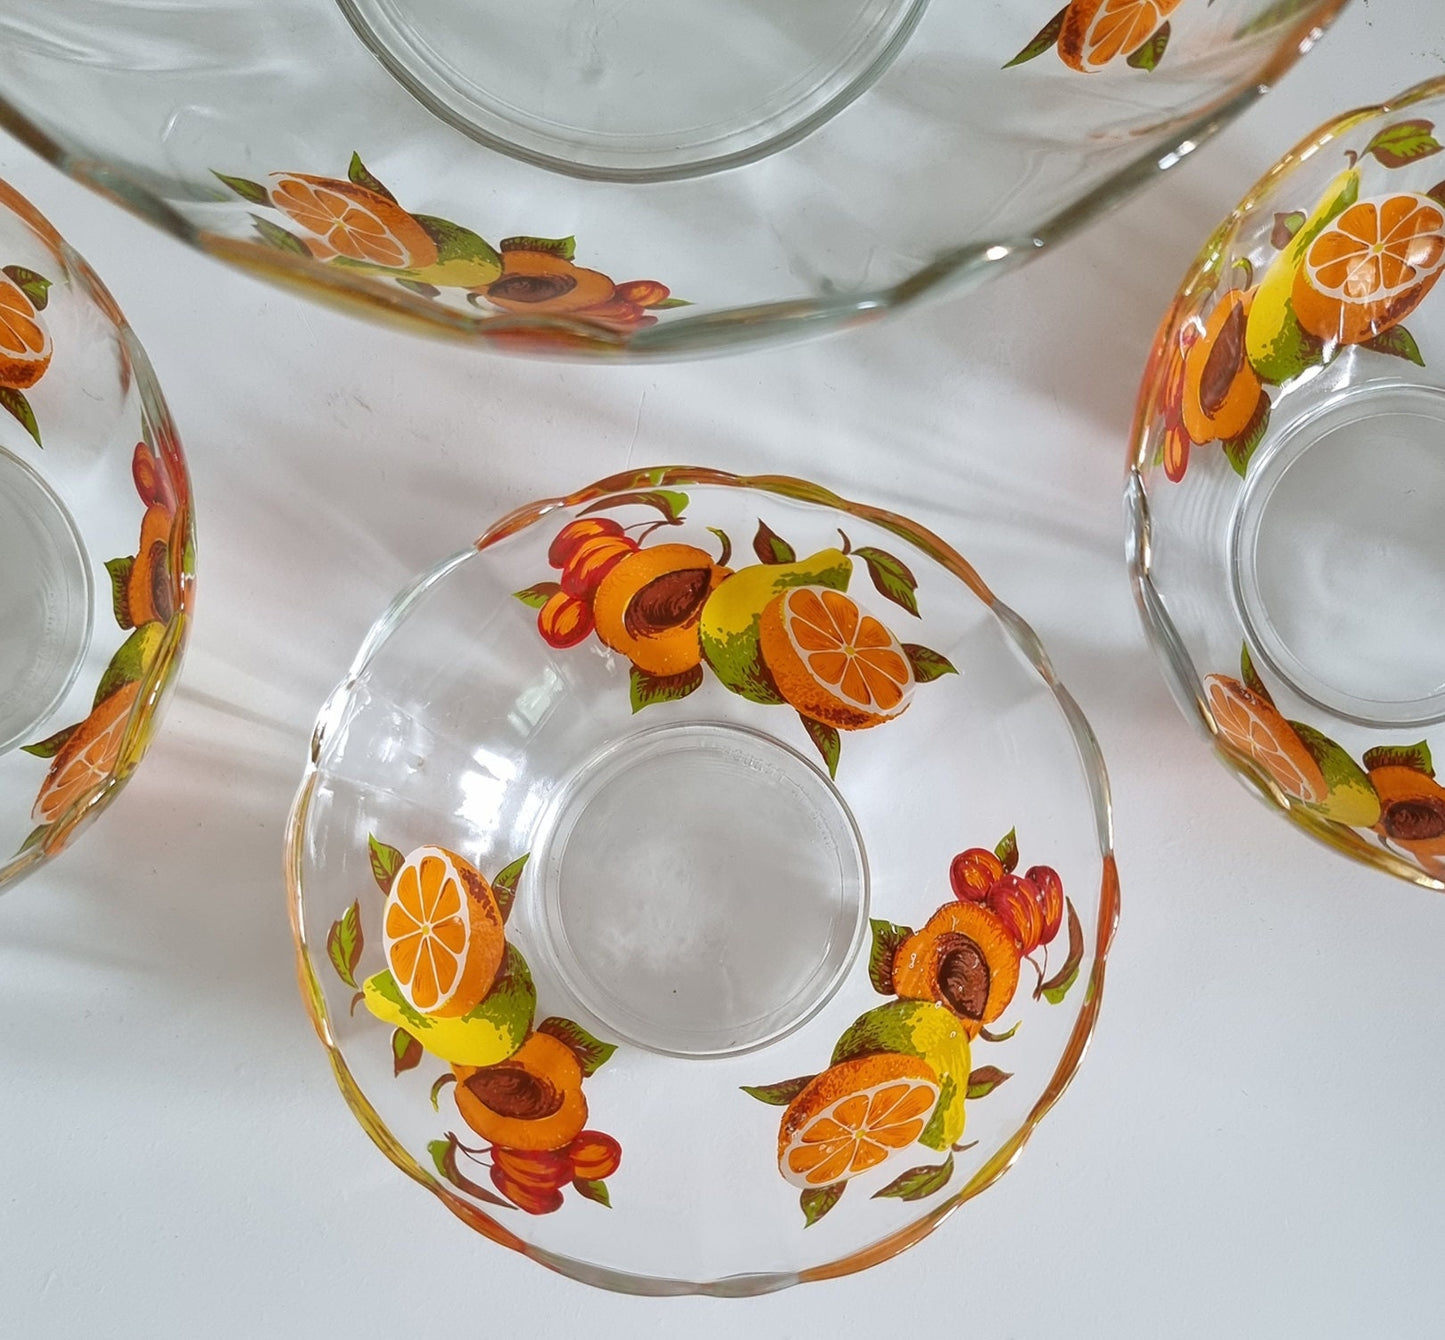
[88,757]
[853,1116]
[441,933]
[1257,730]
[25,347]
[831,661]
[1098,31]
[1371,267]
[354,222]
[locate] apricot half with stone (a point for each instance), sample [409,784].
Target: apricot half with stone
[964,958]
[649,605]
[1221,389]
[532,1100]
[1412,810]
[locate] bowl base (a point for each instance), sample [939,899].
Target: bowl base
[45,601]
[704,889]
[1338,554]
[649,90]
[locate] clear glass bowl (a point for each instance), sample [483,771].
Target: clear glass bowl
[96,544]
[654,179]
[692,851]
[1288,479]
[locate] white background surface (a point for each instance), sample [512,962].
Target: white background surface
[1252,1146]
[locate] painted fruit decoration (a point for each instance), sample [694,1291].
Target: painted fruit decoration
[25,344]
[454,988]
[902,1073]
[783,631]
[357,223]
[146,599]
[1344,273]
[1091,34]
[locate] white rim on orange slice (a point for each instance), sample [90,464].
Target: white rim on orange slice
[1371,267]
[25,346]
[853,1116]
[1257,730]
[441,933]
[833,662]
[354,222]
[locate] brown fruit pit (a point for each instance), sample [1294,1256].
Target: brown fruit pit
[1417,820]
[670,601]
[1224,362]
[510,1091]
[963,975]
[531,288]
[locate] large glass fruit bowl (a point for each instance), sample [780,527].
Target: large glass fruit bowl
[656,178]
[702,884]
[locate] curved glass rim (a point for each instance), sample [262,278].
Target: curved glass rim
[684,335]
[1096,778]
[1169,650]
[155,421]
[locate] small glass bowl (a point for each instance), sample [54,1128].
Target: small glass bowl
[96,544]
[644,912]
[1287,484]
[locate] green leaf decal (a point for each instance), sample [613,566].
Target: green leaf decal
[669,502]
[1148,56]
[817,1201]
[504,887]
[892,577]
[826,740]
[1350,796]
[592,1191]
[34,286]
[534,597]
[927,664]
[1007,850]
[771,547]
[356,172]
[1416,756]
[455,243]
[48,748]
[780,1094]
[406,1052]
[421,289]
[436,1089]
[886,939]
[667,304]
[1238,450]
[444,1158]
[1285,227]
[649,689]
[273,235]
[985,1080]
[252,192]
[1250,675]
[1403,143]
[998,1037]
[1046,37]
[564,247]
[727,545]
[592,1055]
[917,1183]
[385,862]
[120,570]
[1057,987]
[1399,343]
[131,660]
[344,943]
[16,405]
[33,838]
